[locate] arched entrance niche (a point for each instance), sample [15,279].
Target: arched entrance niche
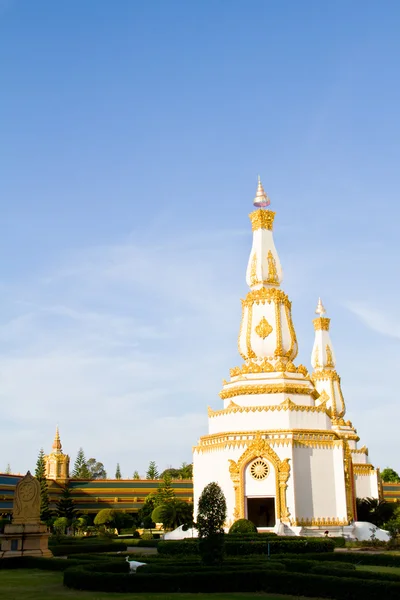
[247,467]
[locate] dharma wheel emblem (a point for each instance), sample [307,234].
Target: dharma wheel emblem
[259,469]
[263,329]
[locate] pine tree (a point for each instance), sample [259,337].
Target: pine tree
[136,475]
[8,469]
[152,471]
[118,472]
[40,474]
[65,505]
[81,470]
[165,491]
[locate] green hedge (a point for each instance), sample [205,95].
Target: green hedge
[220,580]
[357,558]
[200,568]
[60,564]
[327,570]
[241,548]
[66,549]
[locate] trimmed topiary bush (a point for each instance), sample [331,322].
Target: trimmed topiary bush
[243,526]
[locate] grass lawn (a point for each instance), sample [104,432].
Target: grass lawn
[395,570]
[32,584]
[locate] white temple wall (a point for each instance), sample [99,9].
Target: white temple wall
[268,420]
[318,490]
[367,485]
[269,399]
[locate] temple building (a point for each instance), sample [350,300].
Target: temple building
[57,463]
[280,447]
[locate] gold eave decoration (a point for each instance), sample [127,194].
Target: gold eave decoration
[244,390]
[267,295]
[263,329]
[325,374]
[321,323]
[262,219]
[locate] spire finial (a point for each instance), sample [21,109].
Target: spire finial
[320,310]
[57,442]
[261,200]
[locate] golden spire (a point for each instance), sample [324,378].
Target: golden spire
[57,442]
[261,200]
[320,310]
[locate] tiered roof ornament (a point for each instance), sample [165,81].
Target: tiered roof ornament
[261,200]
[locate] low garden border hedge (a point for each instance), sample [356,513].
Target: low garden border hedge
[61,564]
[266,580]
[357,558]
[240,548]
[63,550]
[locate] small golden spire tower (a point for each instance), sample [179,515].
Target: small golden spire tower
[57,463]
[323,360]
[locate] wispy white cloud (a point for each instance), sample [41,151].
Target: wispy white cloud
[377,320]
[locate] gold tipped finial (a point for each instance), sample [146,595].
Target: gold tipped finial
[320,310]
[57,442]
[261,200]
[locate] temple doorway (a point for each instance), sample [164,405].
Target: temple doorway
[261,511]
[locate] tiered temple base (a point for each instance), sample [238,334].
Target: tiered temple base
[25,540]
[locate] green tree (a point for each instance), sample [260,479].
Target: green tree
[144,514]
[186,471]
[60,525]
[165,492]
[372,510]
[152,471]
[389,475]
[105,518]
[118,472]
[80,470]
[174,513]
[136,475]
[8,469]
[65,505]
[40,474]
[211,516]
[96,469]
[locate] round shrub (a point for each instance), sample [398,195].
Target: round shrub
[243,526]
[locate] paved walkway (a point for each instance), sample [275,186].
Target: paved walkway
[137,550]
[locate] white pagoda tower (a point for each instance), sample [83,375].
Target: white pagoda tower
[280,448]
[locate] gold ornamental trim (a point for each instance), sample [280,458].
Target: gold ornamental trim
[263,329]
[283,406]
[266,367]
[260,449]
[264,295]
[325,374]
[312,438]
[320,522]
[361,469]
[321,323]
[363,450]
[262,219]
[244,390]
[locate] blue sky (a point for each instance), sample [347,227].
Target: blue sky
[131,135]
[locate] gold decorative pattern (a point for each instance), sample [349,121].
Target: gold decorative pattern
[253,270]
[329,357]
[272,272]
[349,480]
[316,361]
[319,522]
[321,323]
[285,405]
[279,348]
[259,469]
[265,367]
[276,437]
[250,352]
[264,295]
[262,219]
[292,352]
[363,450]
[324,375]
[259,448]
[268,388]
[263,329]
[361,469]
